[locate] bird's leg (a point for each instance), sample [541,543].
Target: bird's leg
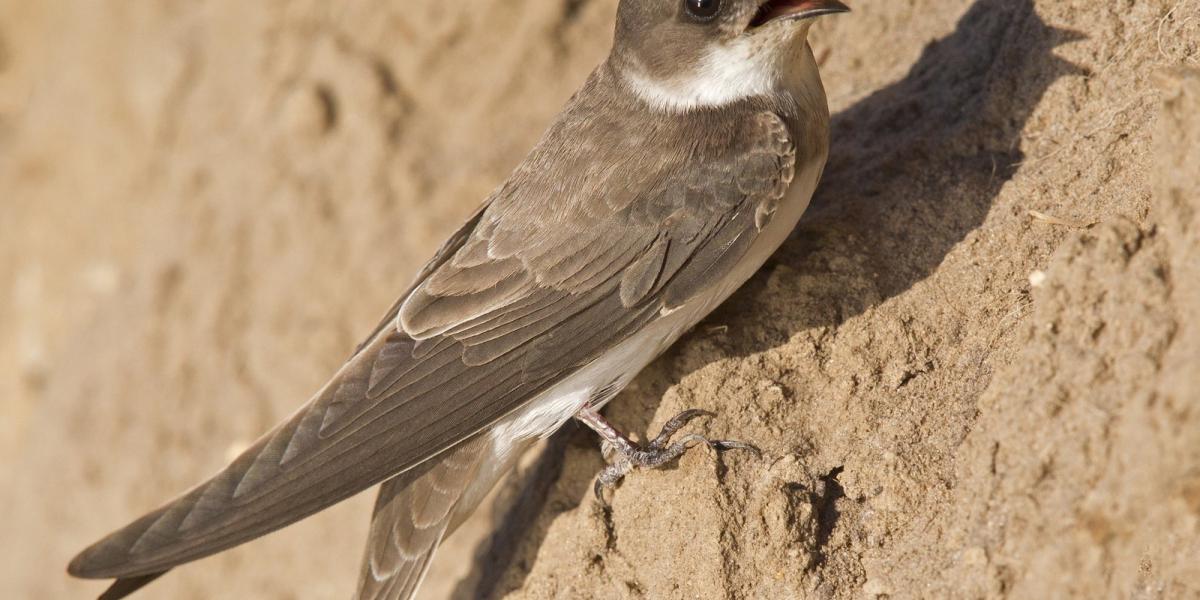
[624,454]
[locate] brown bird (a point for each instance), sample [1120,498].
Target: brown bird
[683,162]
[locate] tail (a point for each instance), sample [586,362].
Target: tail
[416,510]
[128,585]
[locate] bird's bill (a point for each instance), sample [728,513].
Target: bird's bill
[795,10]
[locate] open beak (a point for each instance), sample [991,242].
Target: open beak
[795,10]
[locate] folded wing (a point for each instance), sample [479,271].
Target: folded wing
[584,245]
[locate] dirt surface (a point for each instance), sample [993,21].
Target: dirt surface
[972,370]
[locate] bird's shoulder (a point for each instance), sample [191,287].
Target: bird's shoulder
[612,188]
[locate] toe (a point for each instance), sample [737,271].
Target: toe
[676,423]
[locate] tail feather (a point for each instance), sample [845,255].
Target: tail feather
[412,515]
[128,585]
[416,510]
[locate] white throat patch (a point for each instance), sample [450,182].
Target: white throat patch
[740,69]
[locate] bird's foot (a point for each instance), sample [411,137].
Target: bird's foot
[624,454]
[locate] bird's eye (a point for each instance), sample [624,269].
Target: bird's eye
[702,10]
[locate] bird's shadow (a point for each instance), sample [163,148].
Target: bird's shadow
[914,167]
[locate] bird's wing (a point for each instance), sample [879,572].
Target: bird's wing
[592,238]
[448,248]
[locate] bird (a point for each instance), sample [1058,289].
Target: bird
[680,165]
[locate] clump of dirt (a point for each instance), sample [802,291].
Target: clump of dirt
[972,369]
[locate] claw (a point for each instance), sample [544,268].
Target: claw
[676,423]
[626,454]
[610,476]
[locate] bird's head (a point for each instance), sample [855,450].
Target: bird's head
[683,54]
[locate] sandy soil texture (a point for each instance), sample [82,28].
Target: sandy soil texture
[973,370]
